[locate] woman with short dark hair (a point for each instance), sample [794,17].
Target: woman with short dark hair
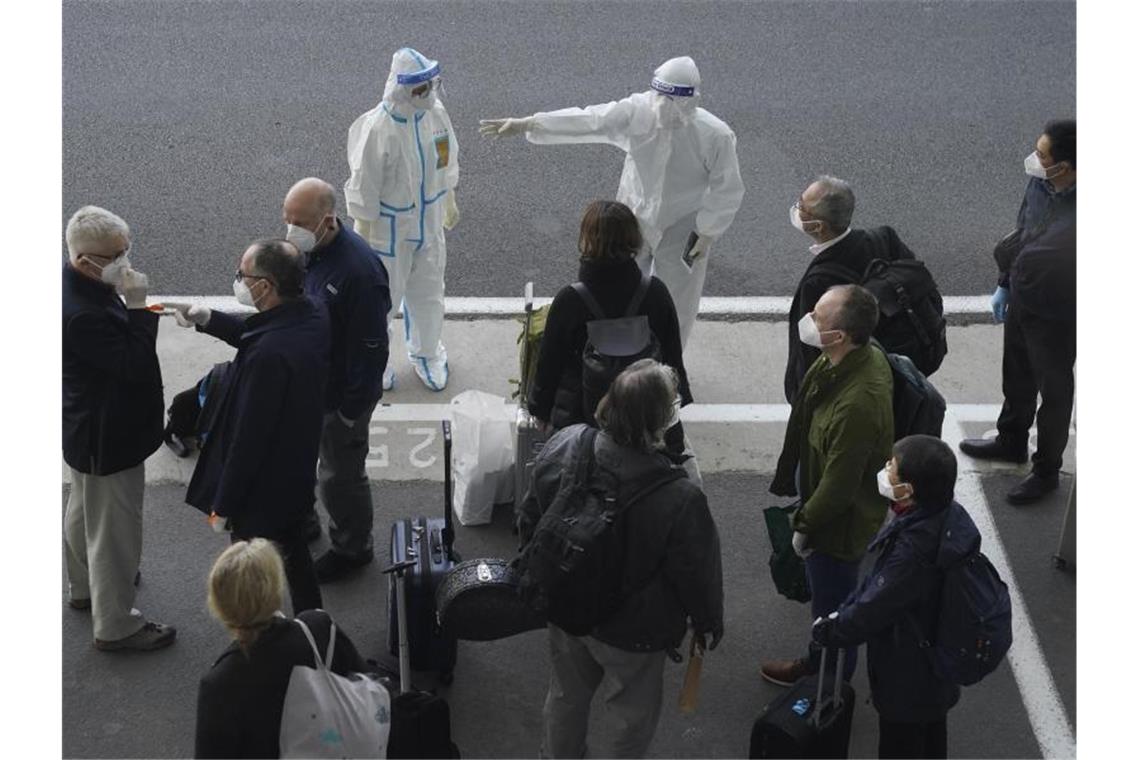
[609,239]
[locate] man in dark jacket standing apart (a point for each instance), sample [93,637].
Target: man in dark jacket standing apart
[257,470]
[673,560]
[840,256]
[1036,298]
[112,421]
[900,597]
[839,434]
[346,275]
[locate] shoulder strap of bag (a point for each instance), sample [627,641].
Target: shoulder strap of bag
[638,295]
[588,299]
[326,664]
[585,455]
[669,477]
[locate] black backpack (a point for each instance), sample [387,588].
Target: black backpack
[911,322]
[918,406]
[571,570]
[612,345]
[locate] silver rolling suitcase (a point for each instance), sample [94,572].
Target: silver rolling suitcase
[528,439]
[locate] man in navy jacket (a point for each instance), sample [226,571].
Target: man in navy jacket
[258,467]
[1036,298]
[112,421]
[346,275]
[925,532]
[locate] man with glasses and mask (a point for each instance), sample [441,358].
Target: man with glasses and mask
[112,421]
[839,255]
[257,470]
[1036,298]
[839,434]
[344,273]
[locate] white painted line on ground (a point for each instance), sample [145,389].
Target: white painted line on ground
[692,413]
[1038,691]
[464,306]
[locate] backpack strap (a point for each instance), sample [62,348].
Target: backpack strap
[638,296]
[588,299]
[585,455]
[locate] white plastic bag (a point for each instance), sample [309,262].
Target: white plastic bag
[328,715]
[482,455]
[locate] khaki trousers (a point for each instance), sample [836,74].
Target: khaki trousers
[631,684]
[103,539]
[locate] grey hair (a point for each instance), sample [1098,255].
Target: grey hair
[92,224]
[637,409]
[837,205]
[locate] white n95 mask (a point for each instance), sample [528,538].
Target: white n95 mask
[799,224]
[112,273]
[886,488]
[1034,168]
[809,333]
[242,294]
[300,237]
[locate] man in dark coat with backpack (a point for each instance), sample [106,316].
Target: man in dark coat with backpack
[840,256]
[899,607]
[665,560]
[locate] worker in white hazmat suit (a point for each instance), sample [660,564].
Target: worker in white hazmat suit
[401,193]
[681,176]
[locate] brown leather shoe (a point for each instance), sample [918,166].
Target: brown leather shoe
[785,672]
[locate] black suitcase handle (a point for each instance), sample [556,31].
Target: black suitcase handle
[448,527]
[835,702]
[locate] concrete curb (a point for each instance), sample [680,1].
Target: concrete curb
[959,310]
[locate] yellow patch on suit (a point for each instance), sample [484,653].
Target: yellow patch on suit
[442,150]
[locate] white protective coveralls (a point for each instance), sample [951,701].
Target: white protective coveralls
[405,166]
[680,176]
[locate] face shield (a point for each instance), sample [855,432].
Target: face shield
[674,104]
[423,87]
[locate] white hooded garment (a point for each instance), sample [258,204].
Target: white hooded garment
[680,176]
[404,159]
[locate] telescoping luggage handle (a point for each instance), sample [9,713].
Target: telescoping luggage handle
[448,526]
[528,314]
[399,569]
[836,701]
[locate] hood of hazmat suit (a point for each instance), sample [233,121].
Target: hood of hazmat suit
[680,164]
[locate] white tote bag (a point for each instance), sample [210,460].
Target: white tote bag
[329,715]
[482,454]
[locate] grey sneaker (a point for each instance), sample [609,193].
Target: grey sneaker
[150,637]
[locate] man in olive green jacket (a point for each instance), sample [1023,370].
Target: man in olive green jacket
[839,436]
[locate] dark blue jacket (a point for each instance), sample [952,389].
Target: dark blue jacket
[112,385]
[259,463]
[1043,276]
[897,601]
[349,278]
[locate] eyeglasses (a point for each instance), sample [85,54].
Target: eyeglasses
[113,257]
[240,274]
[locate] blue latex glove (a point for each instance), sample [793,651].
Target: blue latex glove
[999,302]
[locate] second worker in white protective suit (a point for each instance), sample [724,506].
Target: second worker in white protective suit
[401,193]
[681,176]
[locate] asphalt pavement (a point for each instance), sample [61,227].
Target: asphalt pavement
[192,119]
[143,705]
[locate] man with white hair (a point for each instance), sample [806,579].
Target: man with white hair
[681,176]
[112,421]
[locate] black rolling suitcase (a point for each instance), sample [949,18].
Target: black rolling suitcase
[428,543]
[803,723]
[421,721]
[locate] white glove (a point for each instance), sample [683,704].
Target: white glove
[701,247]
[450,212]
[134,286]
[187,315]
[800,544]
[504,127]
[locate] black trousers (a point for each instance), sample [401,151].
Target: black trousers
[912,740]
[304,591]
[1037,357]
